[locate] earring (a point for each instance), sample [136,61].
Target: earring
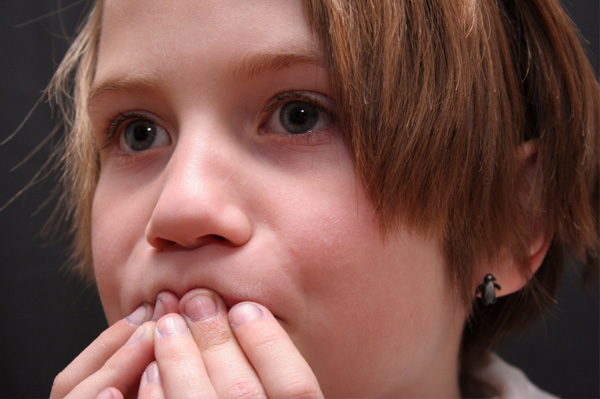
[488,290]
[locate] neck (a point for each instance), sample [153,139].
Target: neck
[437,375]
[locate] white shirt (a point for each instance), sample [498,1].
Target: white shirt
[509,381]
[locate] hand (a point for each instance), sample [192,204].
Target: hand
[212,353]
[117,357]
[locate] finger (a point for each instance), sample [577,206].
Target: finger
[166,302]
[278,363]
[228,369]
[110,393]
[180,364]
[98,352]
[151,385]
[122,370]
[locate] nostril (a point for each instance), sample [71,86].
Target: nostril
[162,244]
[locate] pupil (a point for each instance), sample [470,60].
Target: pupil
[298,117]
[140,135]
[141,132]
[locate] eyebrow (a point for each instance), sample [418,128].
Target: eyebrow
[122,83]
[254,65]
[248,67]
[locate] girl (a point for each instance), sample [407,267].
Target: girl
[323,198]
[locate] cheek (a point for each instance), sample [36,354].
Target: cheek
[373,299]
[107,250]
[117,228]
[368,285]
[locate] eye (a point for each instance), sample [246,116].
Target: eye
[301,115]
[142,134]
[298,117]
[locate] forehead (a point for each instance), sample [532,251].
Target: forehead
[143,36]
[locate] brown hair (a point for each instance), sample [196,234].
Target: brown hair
[436,98]
[69,90]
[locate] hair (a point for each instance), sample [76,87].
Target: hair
[436,99]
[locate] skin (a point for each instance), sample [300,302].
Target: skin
[228,211]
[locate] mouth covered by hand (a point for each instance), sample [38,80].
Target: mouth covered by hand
[195,346]
[197,304]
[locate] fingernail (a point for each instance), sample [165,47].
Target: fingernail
[200,307]
[139,316]
[159,309]
[151,374]
[136,336]
[171,325]
[244,313]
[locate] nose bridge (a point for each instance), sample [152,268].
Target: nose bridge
[199,171]
[198,201]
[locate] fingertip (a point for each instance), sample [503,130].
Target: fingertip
[110,393]
[151,383]
[280,366]
[151,374]
[166,302]
[141,315]
[199,307]
[171,324]
[244,313]
[192,295]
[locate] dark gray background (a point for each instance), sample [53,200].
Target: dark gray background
[47,318]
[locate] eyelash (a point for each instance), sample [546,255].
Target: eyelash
[280,99]
[116,122]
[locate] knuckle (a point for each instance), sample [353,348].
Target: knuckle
[109,341]
[175,355]
[301,388]
[244,389]
[109,368]
[269,340]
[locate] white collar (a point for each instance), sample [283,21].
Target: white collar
[509,381]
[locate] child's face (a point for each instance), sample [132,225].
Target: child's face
[225,197]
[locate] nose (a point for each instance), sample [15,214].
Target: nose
[200,202]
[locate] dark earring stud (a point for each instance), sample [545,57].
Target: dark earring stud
[487,289]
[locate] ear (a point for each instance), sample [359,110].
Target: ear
[509,275]
[512,277]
